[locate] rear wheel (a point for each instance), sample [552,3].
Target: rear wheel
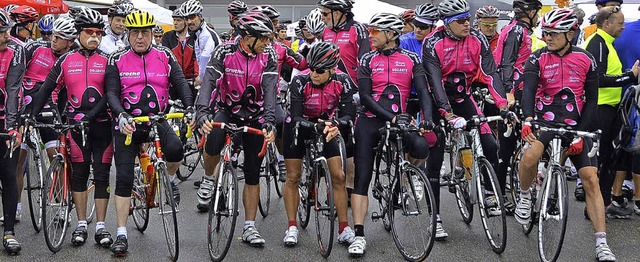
[35,174]
[265,186]
[325,210]
[192,155]
[306,199]
[56,207]
[552,220]
[139,207]
[460,179]
[491,207]
[223,212]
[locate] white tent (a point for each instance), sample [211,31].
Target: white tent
[364,10]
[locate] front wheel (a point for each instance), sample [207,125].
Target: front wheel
[168,211]
[56,205]
[325,210]
[192,155]
[35,174]
[552,220]
[491,206]
[306,198]
[223,212]
[459,183]
[139,207]
[265,186]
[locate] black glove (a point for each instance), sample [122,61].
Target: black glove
[269,127]
[427,125]
[190,111]
[567,139]
[403,119]
[508,115]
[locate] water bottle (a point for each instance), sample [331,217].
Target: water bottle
[467,161]
[542,172]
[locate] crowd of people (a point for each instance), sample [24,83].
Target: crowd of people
[417,68]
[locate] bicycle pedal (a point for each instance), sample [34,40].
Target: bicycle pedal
[375,216]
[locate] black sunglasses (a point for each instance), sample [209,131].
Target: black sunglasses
[317,70]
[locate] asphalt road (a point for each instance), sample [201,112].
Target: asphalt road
[465,242]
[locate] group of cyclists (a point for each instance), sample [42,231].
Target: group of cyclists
[419,68]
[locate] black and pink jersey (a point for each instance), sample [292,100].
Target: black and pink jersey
[311,102]
[12,67]
[561,89]
[453,64]
[353,40]
[40,59]
[512,51]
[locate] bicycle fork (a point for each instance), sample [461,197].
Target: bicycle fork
[547,183]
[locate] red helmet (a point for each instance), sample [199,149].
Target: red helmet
[408,15]
[24,14]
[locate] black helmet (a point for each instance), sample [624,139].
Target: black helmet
[323,55]
[526,5]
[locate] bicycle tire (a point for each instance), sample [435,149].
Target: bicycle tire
[275,170]
[35,175]
[461,187]
[224,210]
[192,157]
[304,189]
[91,203]
[51,210]
[381,191]
[168,211]
[554,195]
[514,175]
[496,229]
[265,186]
[409,208]
[139,207]
[325,209]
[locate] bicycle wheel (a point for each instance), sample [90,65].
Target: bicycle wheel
[460,185]
[222,218]
[491,208]
[265,186]
[412,222]
[306,199]
[139,208]
[552,220]
[275,170]
[514,175]
[192,157]
[526,229]
[56,207]
[168,211]
[91,203]
[325,210]
[381,192]
[35,174]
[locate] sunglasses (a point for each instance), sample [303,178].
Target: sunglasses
[46,33]
[59,37]
[318,70]
[91,31]
[137,32]
[463,21]
[551,34]
[489,24]
[426,27]
[374,31]
[325,13]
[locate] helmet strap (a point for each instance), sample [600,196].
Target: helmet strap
[567,43]
[335,25]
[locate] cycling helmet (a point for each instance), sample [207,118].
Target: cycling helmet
[428,12]
[386,21]
[88,18]
[24,14]
[314,22]
[559,20]
[323,55]
[140,19]
[123,10]
[191,7]
[65,27]
[10,8]
[46,23]
[298,29]
[268,10]
[487,11]
[236,7]
[254,24]
[449,8]
[526,5]
[225,36]
[408,15]
[604,2]
[6,22]
[339,5]
[158,29]
[178,13]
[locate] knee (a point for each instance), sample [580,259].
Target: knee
[338,178]
[173,151]
[251,179]
[80,177]
[590,179]
[293,177]
[420,149]
[214,143]
[124,181]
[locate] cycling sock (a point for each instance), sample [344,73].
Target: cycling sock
[359,230]
[619,199]
[579,182]
[99,225]
[172,178]
[525,194]
[292,223]
[601,238]
[82,223]
[438,219]
[19,208]
[280,158]
[342,226]
[248,224]
[122,231]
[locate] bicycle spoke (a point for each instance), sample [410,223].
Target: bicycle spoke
[325,213]
[553,216]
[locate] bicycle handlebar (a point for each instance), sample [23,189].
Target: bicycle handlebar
[593,135]
[156,118]
[241,129]
[12,141]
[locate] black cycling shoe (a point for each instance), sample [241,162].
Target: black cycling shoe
[579,193]
[11,245]
[176,193]
[509,207]
[79,236]
[103,238]
[119,248]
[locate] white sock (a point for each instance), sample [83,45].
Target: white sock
[122,231]
[99,225]
[19,207]
[82,223]
[438,218]
[172,178]
[601,238]
[280,157]
[248,224]
[525,194]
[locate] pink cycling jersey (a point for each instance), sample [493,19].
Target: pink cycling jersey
[512,51]
[353,40]
[11,72]
[320,101]
[40,59]
[453,64]
[240,83]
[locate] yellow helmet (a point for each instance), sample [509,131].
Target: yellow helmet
[140,19]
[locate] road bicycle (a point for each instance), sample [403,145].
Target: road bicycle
[192,153]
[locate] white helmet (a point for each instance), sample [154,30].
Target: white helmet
[65,27]
[314,22]
[191,7]
[559,20]
[449,8]
[387,21]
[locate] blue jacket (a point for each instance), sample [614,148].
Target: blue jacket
[627,46]
[409,42]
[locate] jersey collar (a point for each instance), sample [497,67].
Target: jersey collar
[606,36]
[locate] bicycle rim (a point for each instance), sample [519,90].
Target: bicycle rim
[168,212]
[381,192]
[34,176]
[191,159]
[139,207]
[412,224]
[526,229]
[552,221]
[514,176]
[222,219]
[91,203]
[325,212]
[54,205]
[462,190]
[265,189]
[493,218]
[276,181]
[304,207]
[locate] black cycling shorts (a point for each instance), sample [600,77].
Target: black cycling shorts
[293,151]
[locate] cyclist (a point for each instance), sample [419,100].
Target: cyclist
[592,28]
[407,17]
[562,102]
[80,75]
[312,30]
[206,38]
[138,81]
[115,35]
[449,69]
[385,77]
[282,35]
[315,95]
[234,9]
[242,98]
[46,26]
[157,34]
[181,43]
[24,17]
[11,72]
[512,50]
[424,22]
[487,18]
